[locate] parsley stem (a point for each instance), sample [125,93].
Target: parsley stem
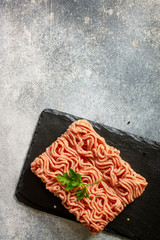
[95,182]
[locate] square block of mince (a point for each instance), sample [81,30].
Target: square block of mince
[87,153]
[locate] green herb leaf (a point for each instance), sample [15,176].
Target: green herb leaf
[75,176]
[69,187]
[74,180]
[64,179]
[75,184]
[81,193]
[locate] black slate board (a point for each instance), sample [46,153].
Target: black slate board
[142,154]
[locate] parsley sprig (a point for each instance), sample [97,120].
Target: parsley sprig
[74,180]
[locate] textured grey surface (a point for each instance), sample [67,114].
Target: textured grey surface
[95,59]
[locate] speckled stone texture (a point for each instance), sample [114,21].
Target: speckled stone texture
[95,59]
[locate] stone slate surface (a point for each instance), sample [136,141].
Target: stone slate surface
[142,154]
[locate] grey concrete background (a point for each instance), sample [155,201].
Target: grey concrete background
[95,59]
